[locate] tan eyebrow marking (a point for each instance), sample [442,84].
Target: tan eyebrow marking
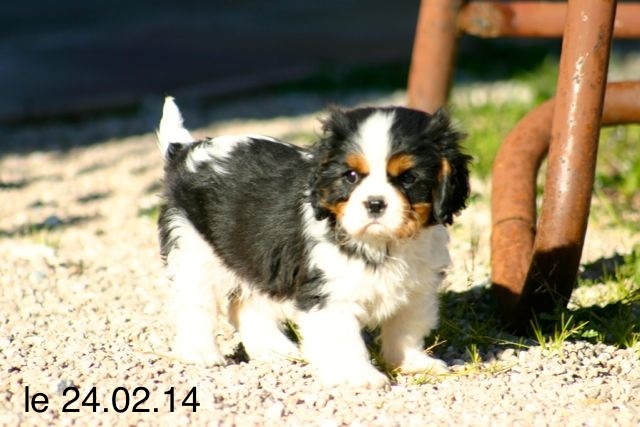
[358,163]
[400,163]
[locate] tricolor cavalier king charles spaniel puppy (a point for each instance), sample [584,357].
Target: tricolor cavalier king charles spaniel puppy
[347,234]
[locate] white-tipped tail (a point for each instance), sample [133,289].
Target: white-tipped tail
[171,129]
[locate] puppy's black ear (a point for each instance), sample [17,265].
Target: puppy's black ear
[452,189]
[315,185]
[334,124]
[335,128]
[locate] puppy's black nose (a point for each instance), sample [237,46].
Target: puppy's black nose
[375,206]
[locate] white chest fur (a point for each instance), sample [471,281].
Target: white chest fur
[411,268]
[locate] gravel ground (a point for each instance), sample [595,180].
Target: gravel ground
[83,304]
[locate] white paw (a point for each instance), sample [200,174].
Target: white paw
[362,375]
[420,363]
[205,354]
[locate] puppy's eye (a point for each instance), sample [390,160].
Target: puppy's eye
[407,178]
[351,176]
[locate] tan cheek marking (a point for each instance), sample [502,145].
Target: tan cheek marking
[399,164]
[423,211]
[358,163]
[337,209]
[416,217]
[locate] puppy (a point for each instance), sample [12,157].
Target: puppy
[345,235]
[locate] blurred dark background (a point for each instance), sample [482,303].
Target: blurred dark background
[74,59]
[76,56]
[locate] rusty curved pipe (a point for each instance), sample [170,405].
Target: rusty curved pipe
[515,170]
[492,19]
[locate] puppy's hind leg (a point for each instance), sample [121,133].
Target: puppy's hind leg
[191,266]
[258,320]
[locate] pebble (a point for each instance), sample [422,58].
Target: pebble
[52,221]
[275,411]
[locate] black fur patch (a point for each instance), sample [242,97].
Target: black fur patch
[251,215]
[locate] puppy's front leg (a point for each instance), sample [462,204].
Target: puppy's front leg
[332,344]
[402,336]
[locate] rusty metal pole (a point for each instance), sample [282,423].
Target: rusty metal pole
[433,54]
[572,156]
[513,193]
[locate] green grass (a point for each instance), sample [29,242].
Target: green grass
[618,170]
[151,212]
[614,316]
[46,237]
[618,164]
[487,124]
[485,133]
[564,328]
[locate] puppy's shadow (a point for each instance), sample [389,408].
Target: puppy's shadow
[471,319]
[51,223]
[239,355]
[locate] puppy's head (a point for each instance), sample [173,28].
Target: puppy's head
[385,173]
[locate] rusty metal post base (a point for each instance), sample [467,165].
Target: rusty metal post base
[513,207]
